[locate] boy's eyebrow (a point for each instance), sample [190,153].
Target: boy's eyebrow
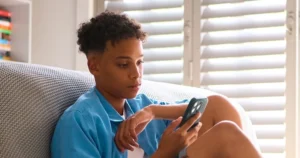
[126,57]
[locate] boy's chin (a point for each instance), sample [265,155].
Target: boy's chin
[131,95]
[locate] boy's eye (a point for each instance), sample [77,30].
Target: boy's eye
[140,62]
[122,65]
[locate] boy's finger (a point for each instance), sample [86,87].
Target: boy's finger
[189,123]
[124,145]
[192,140]
[194,131]
[127,134]
[132,126]
[132,142]
[192,135]
[173,125]
[121,138]
[124,136]
[117,141]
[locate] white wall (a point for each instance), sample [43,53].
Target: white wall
[85,10]
[54,33]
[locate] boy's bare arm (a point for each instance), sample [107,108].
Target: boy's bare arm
[170,112]
[218,109]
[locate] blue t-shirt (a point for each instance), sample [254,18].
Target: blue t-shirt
[87,128]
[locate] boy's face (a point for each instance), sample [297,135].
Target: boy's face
[118,71]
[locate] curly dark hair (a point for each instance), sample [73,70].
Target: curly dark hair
[107,26]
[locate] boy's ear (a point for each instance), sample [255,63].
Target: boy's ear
[93,65]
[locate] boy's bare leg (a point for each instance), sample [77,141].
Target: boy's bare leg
[219,109]
[225,139]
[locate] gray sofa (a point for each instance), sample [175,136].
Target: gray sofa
[32,97]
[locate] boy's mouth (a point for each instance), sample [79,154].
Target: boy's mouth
[135,87]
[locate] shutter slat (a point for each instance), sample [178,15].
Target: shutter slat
[208,2]
[175,40]
[243,77]
[269,131]
[249,90]
[158,54]
[272,145]
[168,78]
[244,63]
[273,155]
[247,7]
[244,49]
[157,67]
[267,117]
[157,16]
[242,36]
[243,22]
[142,5]
[163,28]
[261,103]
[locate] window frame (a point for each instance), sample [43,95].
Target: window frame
[292,80]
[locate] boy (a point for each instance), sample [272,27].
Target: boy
[111,120]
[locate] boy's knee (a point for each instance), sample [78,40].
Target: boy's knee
[227,129]
[218,99]
[220,103]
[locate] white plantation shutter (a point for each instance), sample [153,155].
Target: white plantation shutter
[163,50]
[242,47]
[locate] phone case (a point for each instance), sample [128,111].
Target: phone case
[194,106]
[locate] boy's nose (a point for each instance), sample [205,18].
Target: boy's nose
[135,72]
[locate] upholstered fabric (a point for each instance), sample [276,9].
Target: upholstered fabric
[32,97]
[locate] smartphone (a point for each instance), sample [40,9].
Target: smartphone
[195,105]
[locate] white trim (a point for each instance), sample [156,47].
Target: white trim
[297,147]
[99,6]
[192,29]
[196,43]
[84,11]
[297,122]
[187,50]
[30,32]
[292,85]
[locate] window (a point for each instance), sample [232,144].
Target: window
[242,55]
[238,48]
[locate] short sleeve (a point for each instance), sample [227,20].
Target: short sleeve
[72,138]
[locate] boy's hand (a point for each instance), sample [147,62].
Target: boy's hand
[127,133]
[172,142]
